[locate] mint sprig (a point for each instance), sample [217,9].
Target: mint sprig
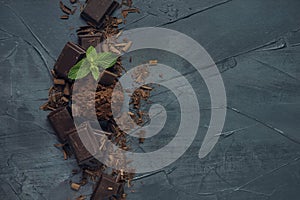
[92,63]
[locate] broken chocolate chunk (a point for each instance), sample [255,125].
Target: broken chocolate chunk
[62,122]
[107,188]
[83,143]
[107,78]
[95,11]
[86,41]
[69,56]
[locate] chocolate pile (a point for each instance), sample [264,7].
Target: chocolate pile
[100,26]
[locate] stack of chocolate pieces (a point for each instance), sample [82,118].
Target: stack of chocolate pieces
[83,141]
[78,139]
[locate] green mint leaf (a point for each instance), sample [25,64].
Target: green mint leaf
[84,70]
[95,72]
[91,62]
[80,70]
[73,71]
[91,54]
[106,59]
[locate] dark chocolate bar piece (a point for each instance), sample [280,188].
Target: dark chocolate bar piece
[95,10]
[86,41]
[62,122]
[83,143]
[107,187]
[69,56]
[107,78]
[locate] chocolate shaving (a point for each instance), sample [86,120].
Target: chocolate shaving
[130,10]
[53,73]
[153,62]
[65,155]
[64,17]
[64,8]
[58,145]
[146,87]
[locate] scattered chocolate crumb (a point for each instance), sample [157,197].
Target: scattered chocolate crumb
[75,186]
[65,155]
[64,17]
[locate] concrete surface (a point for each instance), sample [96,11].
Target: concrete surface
[256,44]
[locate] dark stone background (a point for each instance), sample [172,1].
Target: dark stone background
[256,44]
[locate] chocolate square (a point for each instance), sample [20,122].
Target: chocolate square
[61,122]
[86,41]
[107,187]
[95,10]
[83,143]
[69,56]
[107,78]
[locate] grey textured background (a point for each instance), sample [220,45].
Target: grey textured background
[256,44]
